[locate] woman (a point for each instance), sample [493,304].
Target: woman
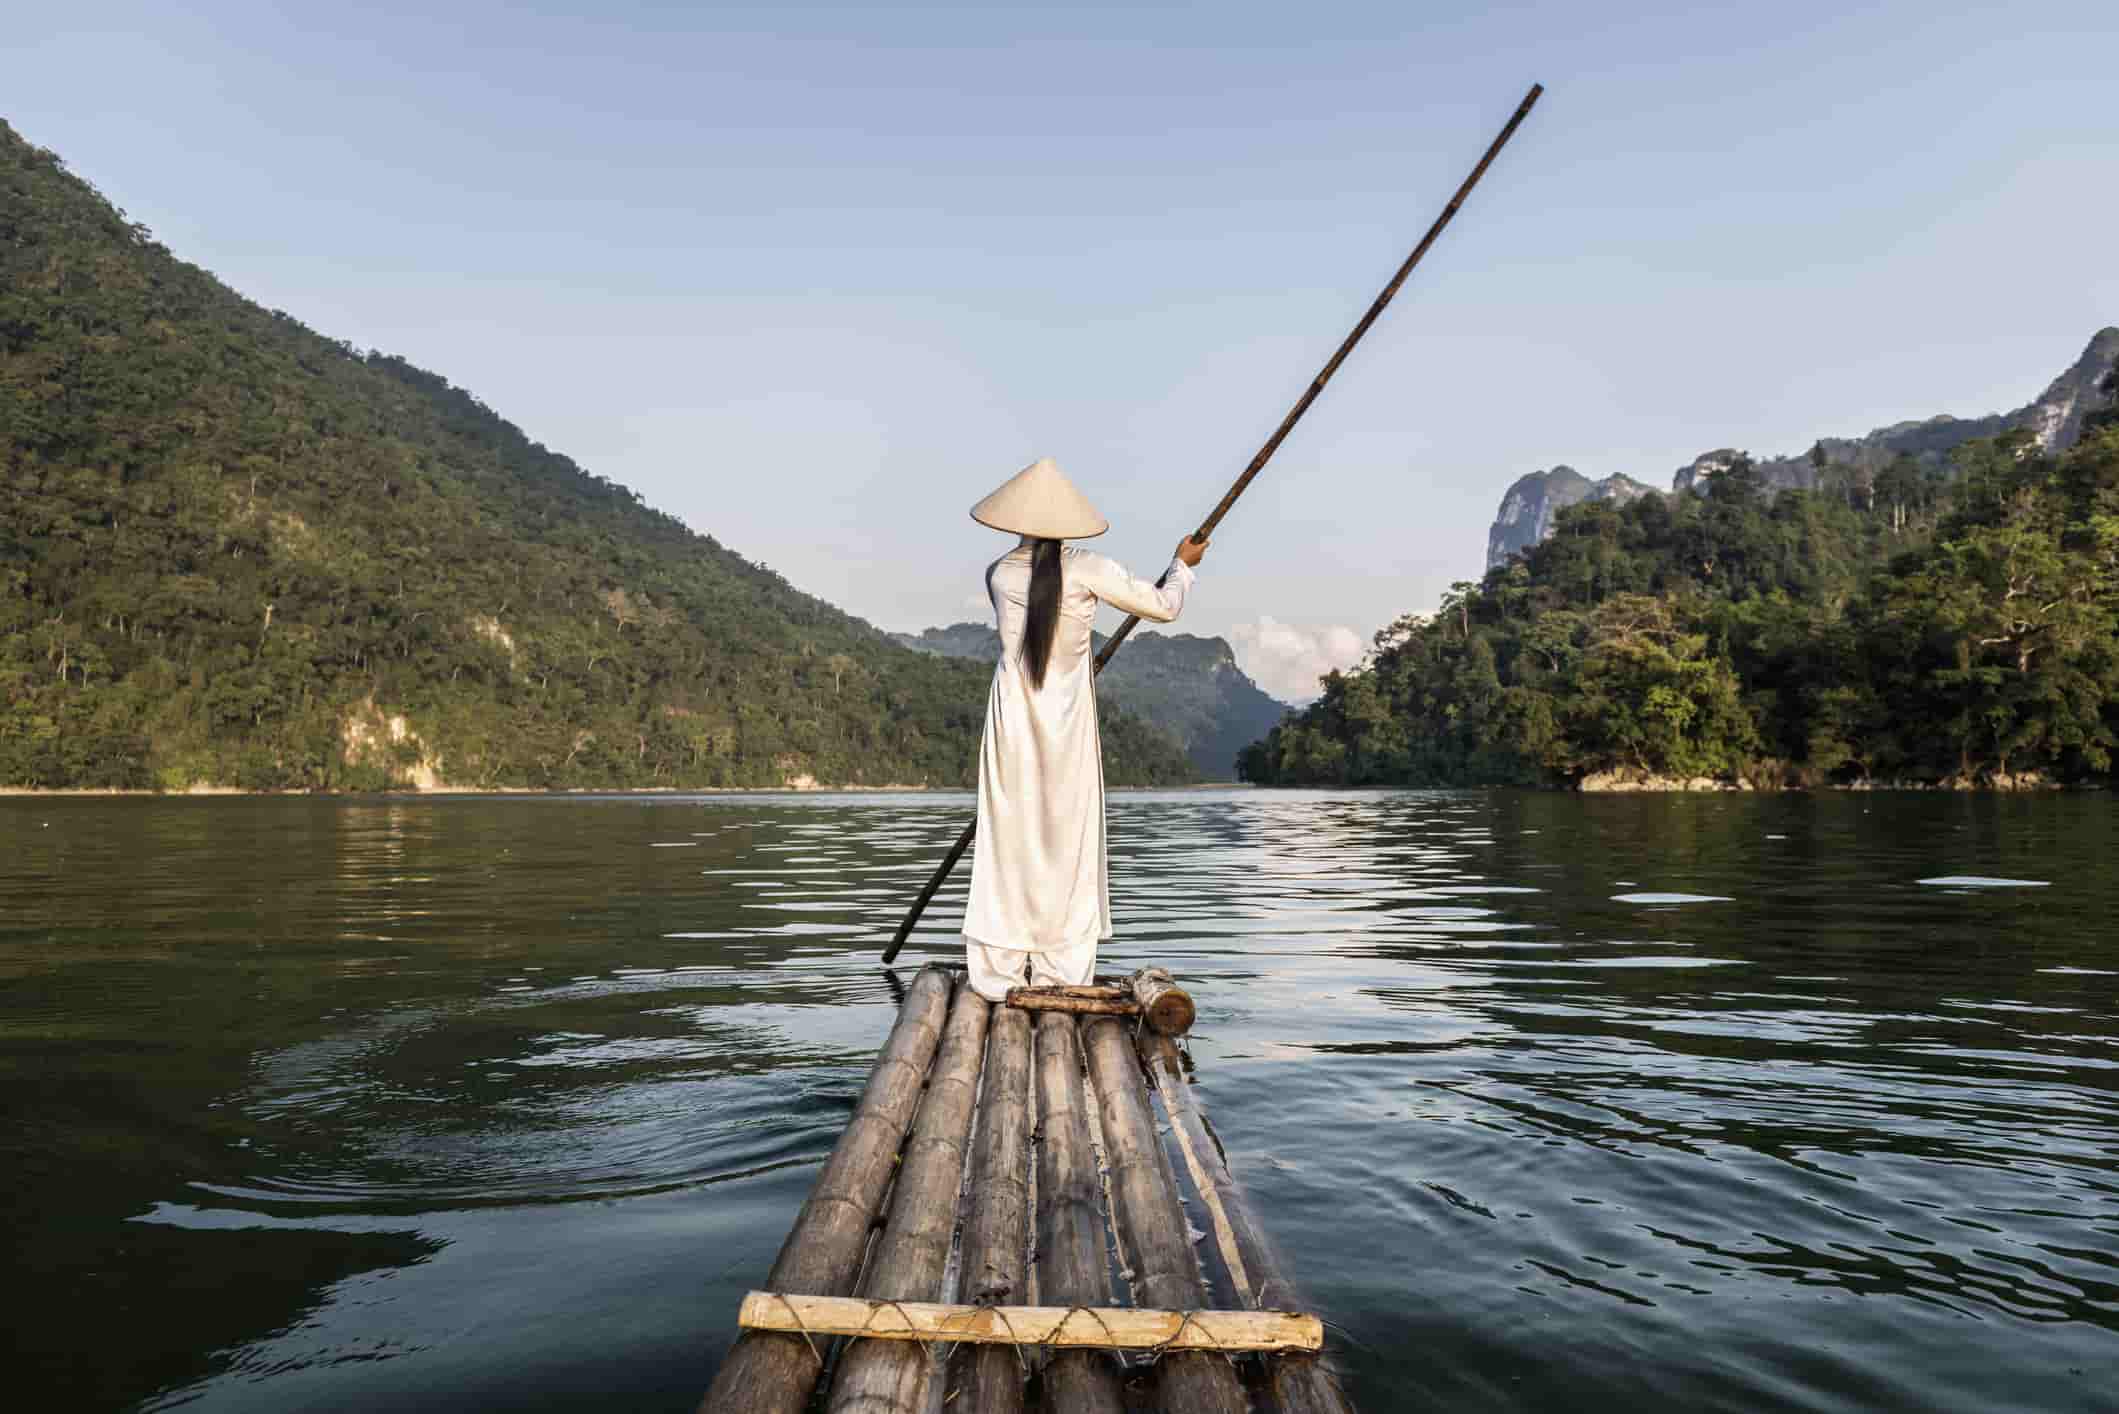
[1040,894]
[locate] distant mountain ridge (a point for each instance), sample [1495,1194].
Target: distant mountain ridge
[1179,683]
[1530,506]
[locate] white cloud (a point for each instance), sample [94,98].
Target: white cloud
[1287,659]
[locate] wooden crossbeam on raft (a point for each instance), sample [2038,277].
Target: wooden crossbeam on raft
[1149,993]
[1095,1327]
[1076,1001]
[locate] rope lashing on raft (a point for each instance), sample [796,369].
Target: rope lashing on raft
[1102,1324]
[1015,1343]
[796,1317]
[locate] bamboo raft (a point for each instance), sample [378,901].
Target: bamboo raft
[958,1250]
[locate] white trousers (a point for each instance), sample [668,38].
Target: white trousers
[994,970]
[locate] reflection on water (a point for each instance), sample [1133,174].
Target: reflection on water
[1684,1103]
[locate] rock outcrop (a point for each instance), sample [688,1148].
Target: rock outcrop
[1535,501]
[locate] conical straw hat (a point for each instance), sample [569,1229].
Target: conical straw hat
[1039,500]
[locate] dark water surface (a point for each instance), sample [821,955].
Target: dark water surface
[502,1104]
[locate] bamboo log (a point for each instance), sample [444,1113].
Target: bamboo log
[1210,1174]
[996,1234]
[1071,1270]
[1068,1327]
[887,1376]
[1300,1384]
[1040,1000]
[1167,1006]
[769,1372]
[1151,1223]
[1150,993]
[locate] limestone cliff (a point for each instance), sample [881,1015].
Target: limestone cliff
[1531,505]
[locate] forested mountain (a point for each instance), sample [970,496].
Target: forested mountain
[1188,686]
[1957,624]
[236,552]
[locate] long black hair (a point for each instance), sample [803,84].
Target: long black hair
[1038,628]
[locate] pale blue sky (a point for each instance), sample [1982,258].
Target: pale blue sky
[816,277]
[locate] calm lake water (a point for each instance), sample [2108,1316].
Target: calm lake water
[502,1104]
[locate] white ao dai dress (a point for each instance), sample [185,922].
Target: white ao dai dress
[1040,891]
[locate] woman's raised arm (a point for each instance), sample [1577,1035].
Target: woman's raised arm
[1117,586]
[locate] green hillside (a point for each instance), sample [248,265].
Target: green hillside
[236,552]
[1959,628]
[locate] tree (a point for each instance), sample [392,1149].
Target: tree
[1900,487]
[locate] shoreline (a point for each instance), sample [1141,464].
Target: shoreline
[420,793]
[1673,787]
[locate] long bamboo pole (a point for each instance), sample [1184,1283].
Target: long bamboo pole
[1265,454]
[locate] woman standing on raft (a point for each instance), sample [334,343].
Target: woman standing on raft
[1040,891]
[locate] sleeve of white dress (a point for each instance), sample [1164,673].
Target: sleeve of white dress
[1113,583]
